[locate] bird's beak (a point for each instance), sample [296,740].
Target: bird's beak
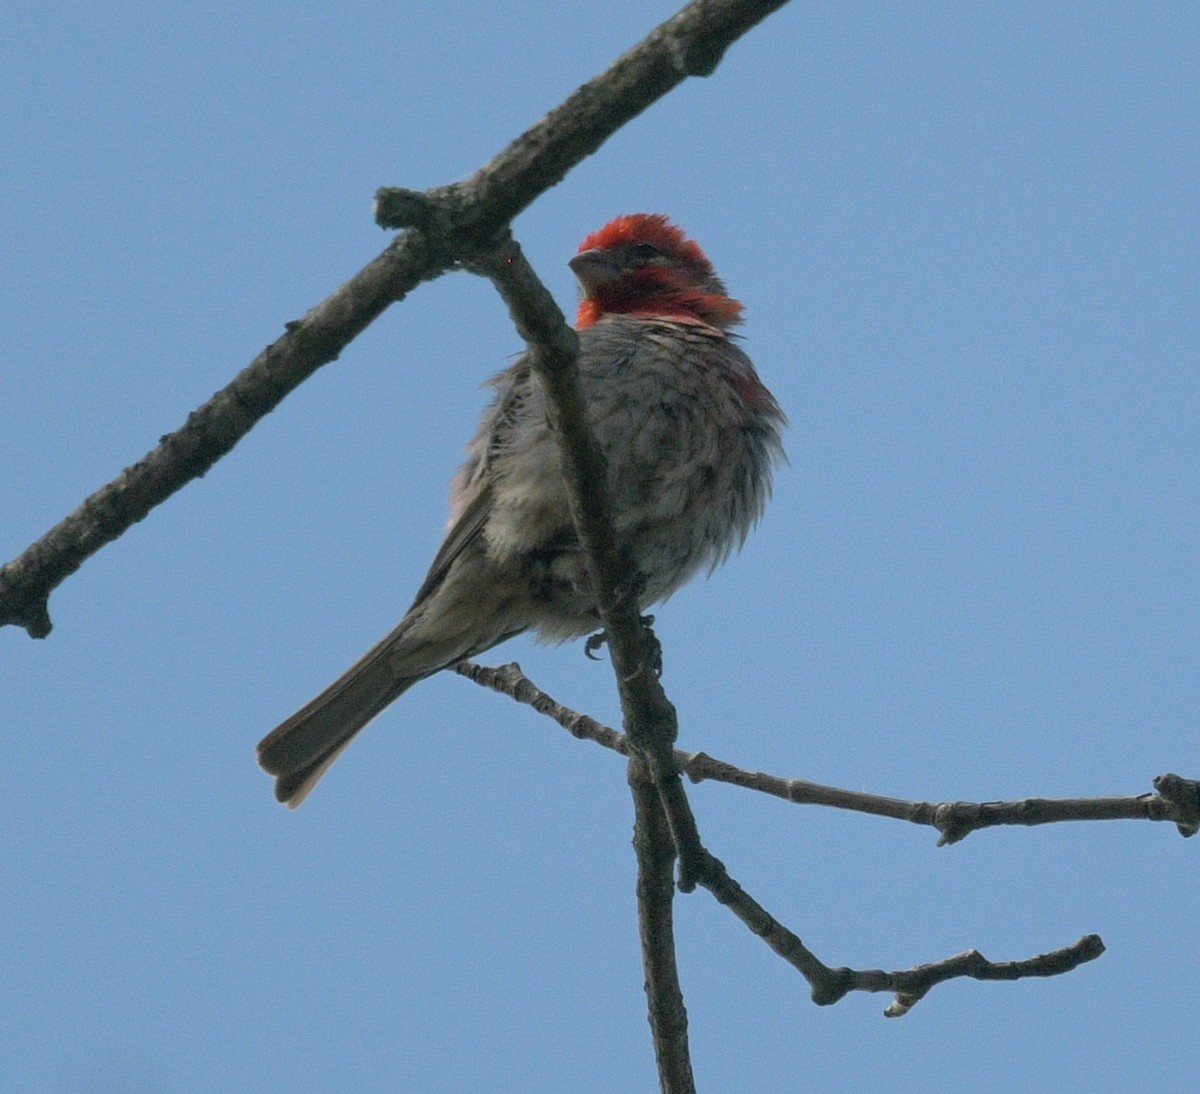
[595,269]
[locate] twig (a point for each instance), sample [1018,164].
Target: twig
[829,985]
[1177,799]
[911,985]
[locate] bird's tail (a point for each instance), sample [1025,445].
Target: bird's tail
[299,750]
[461,610]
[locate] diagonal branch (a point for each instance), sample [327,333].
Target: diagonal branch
[451,223]
[1177,799]
[690,43]
[831,985]
[210,431]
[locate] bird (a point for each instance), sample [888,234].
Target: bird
[691,438]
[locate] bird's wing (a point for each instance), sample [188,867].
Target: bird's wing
[468,524]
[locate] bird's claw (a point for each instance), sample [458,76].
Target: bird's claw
[653,646]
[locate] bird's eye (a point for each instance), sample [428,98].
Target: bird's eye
[643,252]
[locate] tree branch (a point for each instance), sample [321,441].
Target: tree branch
[829,985]
[690,43]
[655,896]
[449,223]
[210,431]
[1177,799]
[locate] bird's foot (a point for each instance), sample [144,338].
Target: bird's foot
[594,642]
[653,645]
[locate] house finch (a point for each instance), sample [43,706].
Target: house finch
[690,435]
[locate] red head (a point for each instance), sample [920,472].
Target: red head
[643,265]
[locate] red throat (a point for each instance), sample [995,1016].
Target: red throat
[693,307]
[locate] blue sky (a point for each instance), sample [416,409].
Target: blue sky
[966,239]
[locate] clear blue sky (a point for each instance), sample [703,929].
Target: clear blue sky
[966,238]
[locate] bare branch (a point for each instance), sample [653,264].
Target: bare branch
[453,222]
[829,985]
[911,985]
[655,897]
[690,43]
[1177,800]
[209,432]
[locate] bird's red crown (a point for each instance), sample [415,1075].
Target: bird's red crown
[652,228]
